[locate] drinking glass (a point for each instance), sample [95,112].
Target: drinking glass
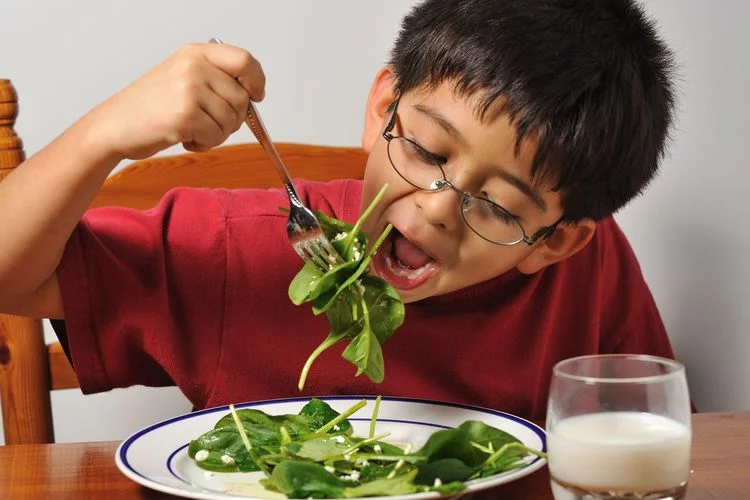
[618,427]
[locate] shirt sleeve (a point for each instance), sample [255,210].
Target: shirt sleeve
[143,294]
[58,326]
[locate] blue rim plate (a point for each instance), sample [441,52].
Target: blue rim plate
[156,456]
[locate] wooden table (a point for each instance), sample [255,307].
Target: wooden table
[721,465]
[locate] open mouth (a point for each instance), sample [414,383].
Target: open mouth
[402,263]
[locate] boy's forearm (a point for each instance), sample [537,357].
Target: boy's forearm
[196,97]
[41,202]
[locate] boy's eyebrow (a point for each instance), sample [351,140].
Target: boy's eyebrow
[517,182]
[438,118]
[525,189]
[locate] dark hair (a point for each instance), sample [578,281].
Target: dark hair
[591,80]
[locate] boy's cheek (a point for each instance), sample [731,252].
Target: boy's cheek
[378,165]
[377,173]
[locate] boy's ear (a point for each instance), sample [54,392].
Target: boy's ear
[381,96]
[567,240]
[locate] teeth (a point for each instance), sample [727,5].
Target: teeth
[406,272]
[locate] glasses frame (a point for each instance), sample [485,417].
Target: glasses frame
[465,196]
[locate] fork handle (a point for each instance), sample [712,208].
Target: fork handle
[259,131]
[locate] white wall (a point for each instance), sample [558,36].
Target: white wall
[690,231]
[319,57]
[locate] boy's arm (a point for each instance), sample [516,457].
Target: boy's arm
[197,97]
[44,302]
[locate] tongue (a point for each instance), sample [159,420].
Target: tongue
[408,254]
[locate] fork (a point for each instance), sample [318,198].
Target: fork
[302,227]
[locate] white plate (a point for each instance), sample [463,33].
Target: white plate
[156,456]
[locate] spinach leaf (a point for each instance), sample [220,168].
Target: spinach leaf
[512,459]
[365,310]
[364,351]
[452,443]
[386,308]
[318,413]
[449,488]
[487,436]
[221,450]
[373,471]
[444,470]
[295,424]
[510,456]
[322,449]
[384,448]
[348,241]
[311,283]
[299,479]
[399,485]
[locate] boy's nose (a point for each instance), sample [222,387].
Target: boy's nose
[440,208]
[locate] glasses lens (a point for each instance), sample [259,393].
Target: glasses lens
[414,164]
[418,168]
[491,221]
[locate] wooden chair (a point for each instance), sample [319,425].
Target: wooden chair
[29,369]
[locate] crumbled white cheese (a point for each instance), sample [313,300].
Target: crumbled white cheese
[340,439]
[377,448]
[347,457]
[201,455]
[354,476]
[438,483]
[336,428]
[227,459]
[339,236]
[329,469]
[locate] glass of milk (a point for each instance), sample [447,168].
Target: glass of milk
[618,426]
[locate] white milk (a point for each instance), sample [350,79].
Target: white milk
[624,451]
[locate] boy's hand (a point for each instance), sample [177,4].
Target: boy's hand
[197,97]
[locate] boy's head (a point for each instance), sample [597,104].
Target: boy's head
[553,109]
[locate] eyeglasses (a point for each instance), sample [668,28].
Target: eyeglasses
[424,171]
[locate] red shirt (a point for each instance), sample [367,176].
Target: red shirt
[194,293]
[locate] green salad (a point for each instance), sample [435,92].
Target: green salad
[314,454]
[361,309]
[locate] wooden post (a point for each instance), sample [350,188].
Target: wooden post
[24,370]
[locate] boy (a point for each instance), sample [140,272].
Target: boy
[508,131]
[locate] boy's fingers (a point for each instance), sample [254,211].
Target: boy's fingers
[240,64]
[204,133]
[228,89]
[224,115]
